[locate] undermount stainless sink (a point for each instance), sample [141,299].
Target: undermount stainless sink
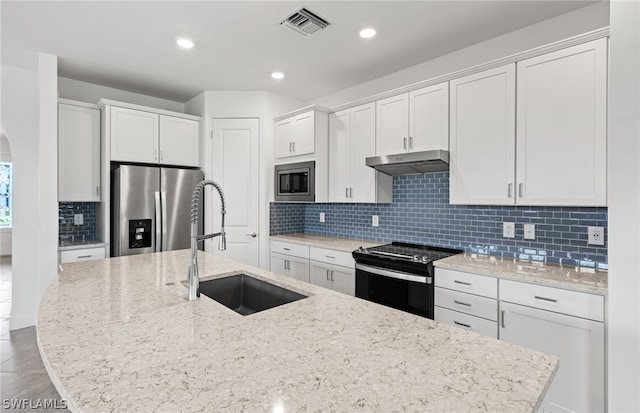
[247,295]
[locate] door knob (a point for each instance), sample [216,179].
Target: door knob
[252,235]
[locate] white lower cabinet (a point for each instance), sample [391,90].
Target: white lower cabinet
[334,277]
[467,301]
[579,384]
[294,267]
[85,254]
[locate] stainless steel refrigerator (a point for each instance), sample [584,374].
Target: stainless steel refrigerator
[151,208]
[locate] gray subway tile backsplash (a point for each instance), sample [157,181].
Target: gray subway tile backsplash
[67,230]
[421,213]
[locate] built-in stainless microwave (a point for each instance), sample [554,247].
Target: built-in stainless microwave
[295,182]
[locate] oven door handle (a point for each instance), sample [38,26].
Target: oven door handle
[394,274]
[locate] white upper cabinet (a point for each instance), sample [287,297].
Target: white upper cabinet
[296,135]
[482,140]
[78,153]
[146,137]
[134,135]
[429,118]
[179,141]
[352,138]
[414,121]
[562,127]
[392,125]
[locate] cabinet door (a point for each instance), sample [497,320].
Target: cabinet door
[279,264]
[343,279]
[304,131]
[299,268]
[363,145]
[339,159]
[134,135]
[179,141]
[284,138]
[78,154]
[482,141]
[579,383]
[429,118]
[392,125]
[320,274]
[562,127]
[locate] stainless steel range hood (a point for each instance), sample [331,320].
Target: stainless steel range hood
[411,162]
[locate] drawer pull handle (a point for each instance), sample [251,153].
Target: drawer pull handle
[330,257]
[461,303]
[462,324]
[287,249]
[502,313]
[551,300]
[461,282]
[84,256]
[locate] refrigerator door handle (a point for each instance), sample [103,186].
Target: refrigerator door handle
[156,245]
[165,239]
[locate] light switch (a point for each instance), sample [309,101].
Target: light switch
[78,219]
[529,231]
[375,221]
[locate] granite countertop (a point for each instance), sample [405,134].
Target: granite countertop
[333,243]
[119,335]
[537,273]
[77,244]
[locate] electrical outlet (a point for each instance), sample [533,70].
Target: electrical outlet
[595,236]
[529,231]
[78,219]
[375,221]
[322,217]
[509,229]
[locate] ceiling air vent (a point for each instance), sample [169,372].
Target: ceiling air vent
[304,21]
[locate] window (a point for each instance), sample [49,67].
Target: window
[5,194]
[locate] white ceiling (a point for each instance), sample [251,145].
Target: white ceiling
[131,45]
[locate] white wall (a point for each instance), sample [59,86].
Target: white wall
[92,93]
[19,115]
[564,26]
[5,233]
[250,104]
[48,169]
[624,208]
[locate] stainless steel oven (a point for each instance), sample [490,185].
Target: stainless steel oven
[399,275]
[295,182]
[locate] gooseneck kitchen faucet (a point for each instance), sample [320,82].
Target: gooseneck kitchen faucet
[194,279]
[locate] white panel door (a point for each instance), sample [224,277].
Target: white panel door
[284,138]
[78,154]
[339,159]
[279,264]
[562,127]
[429,118]
[579,383]
[235,167]
[482,140]
[320,274]
[304,131]
[298,268]
[392,125]
[179,141]
[363,145]
[134,135]
[343,279]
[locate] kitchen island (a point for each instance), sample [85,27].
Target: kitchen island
[120,335]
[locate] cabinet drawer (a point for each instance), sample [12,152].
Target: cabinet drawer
[467,322]
[87,254]
[467,282]
[467,303]
[578,304]
[287,248]
[342,258]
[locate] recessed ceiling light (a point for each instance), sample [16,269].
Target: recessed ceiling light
[277,75]
[185,43]
[367,33]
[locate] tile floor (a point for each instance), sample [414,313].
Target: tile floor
[22,374]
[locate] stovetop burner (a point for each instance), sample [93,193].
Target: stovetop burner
[409,252]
